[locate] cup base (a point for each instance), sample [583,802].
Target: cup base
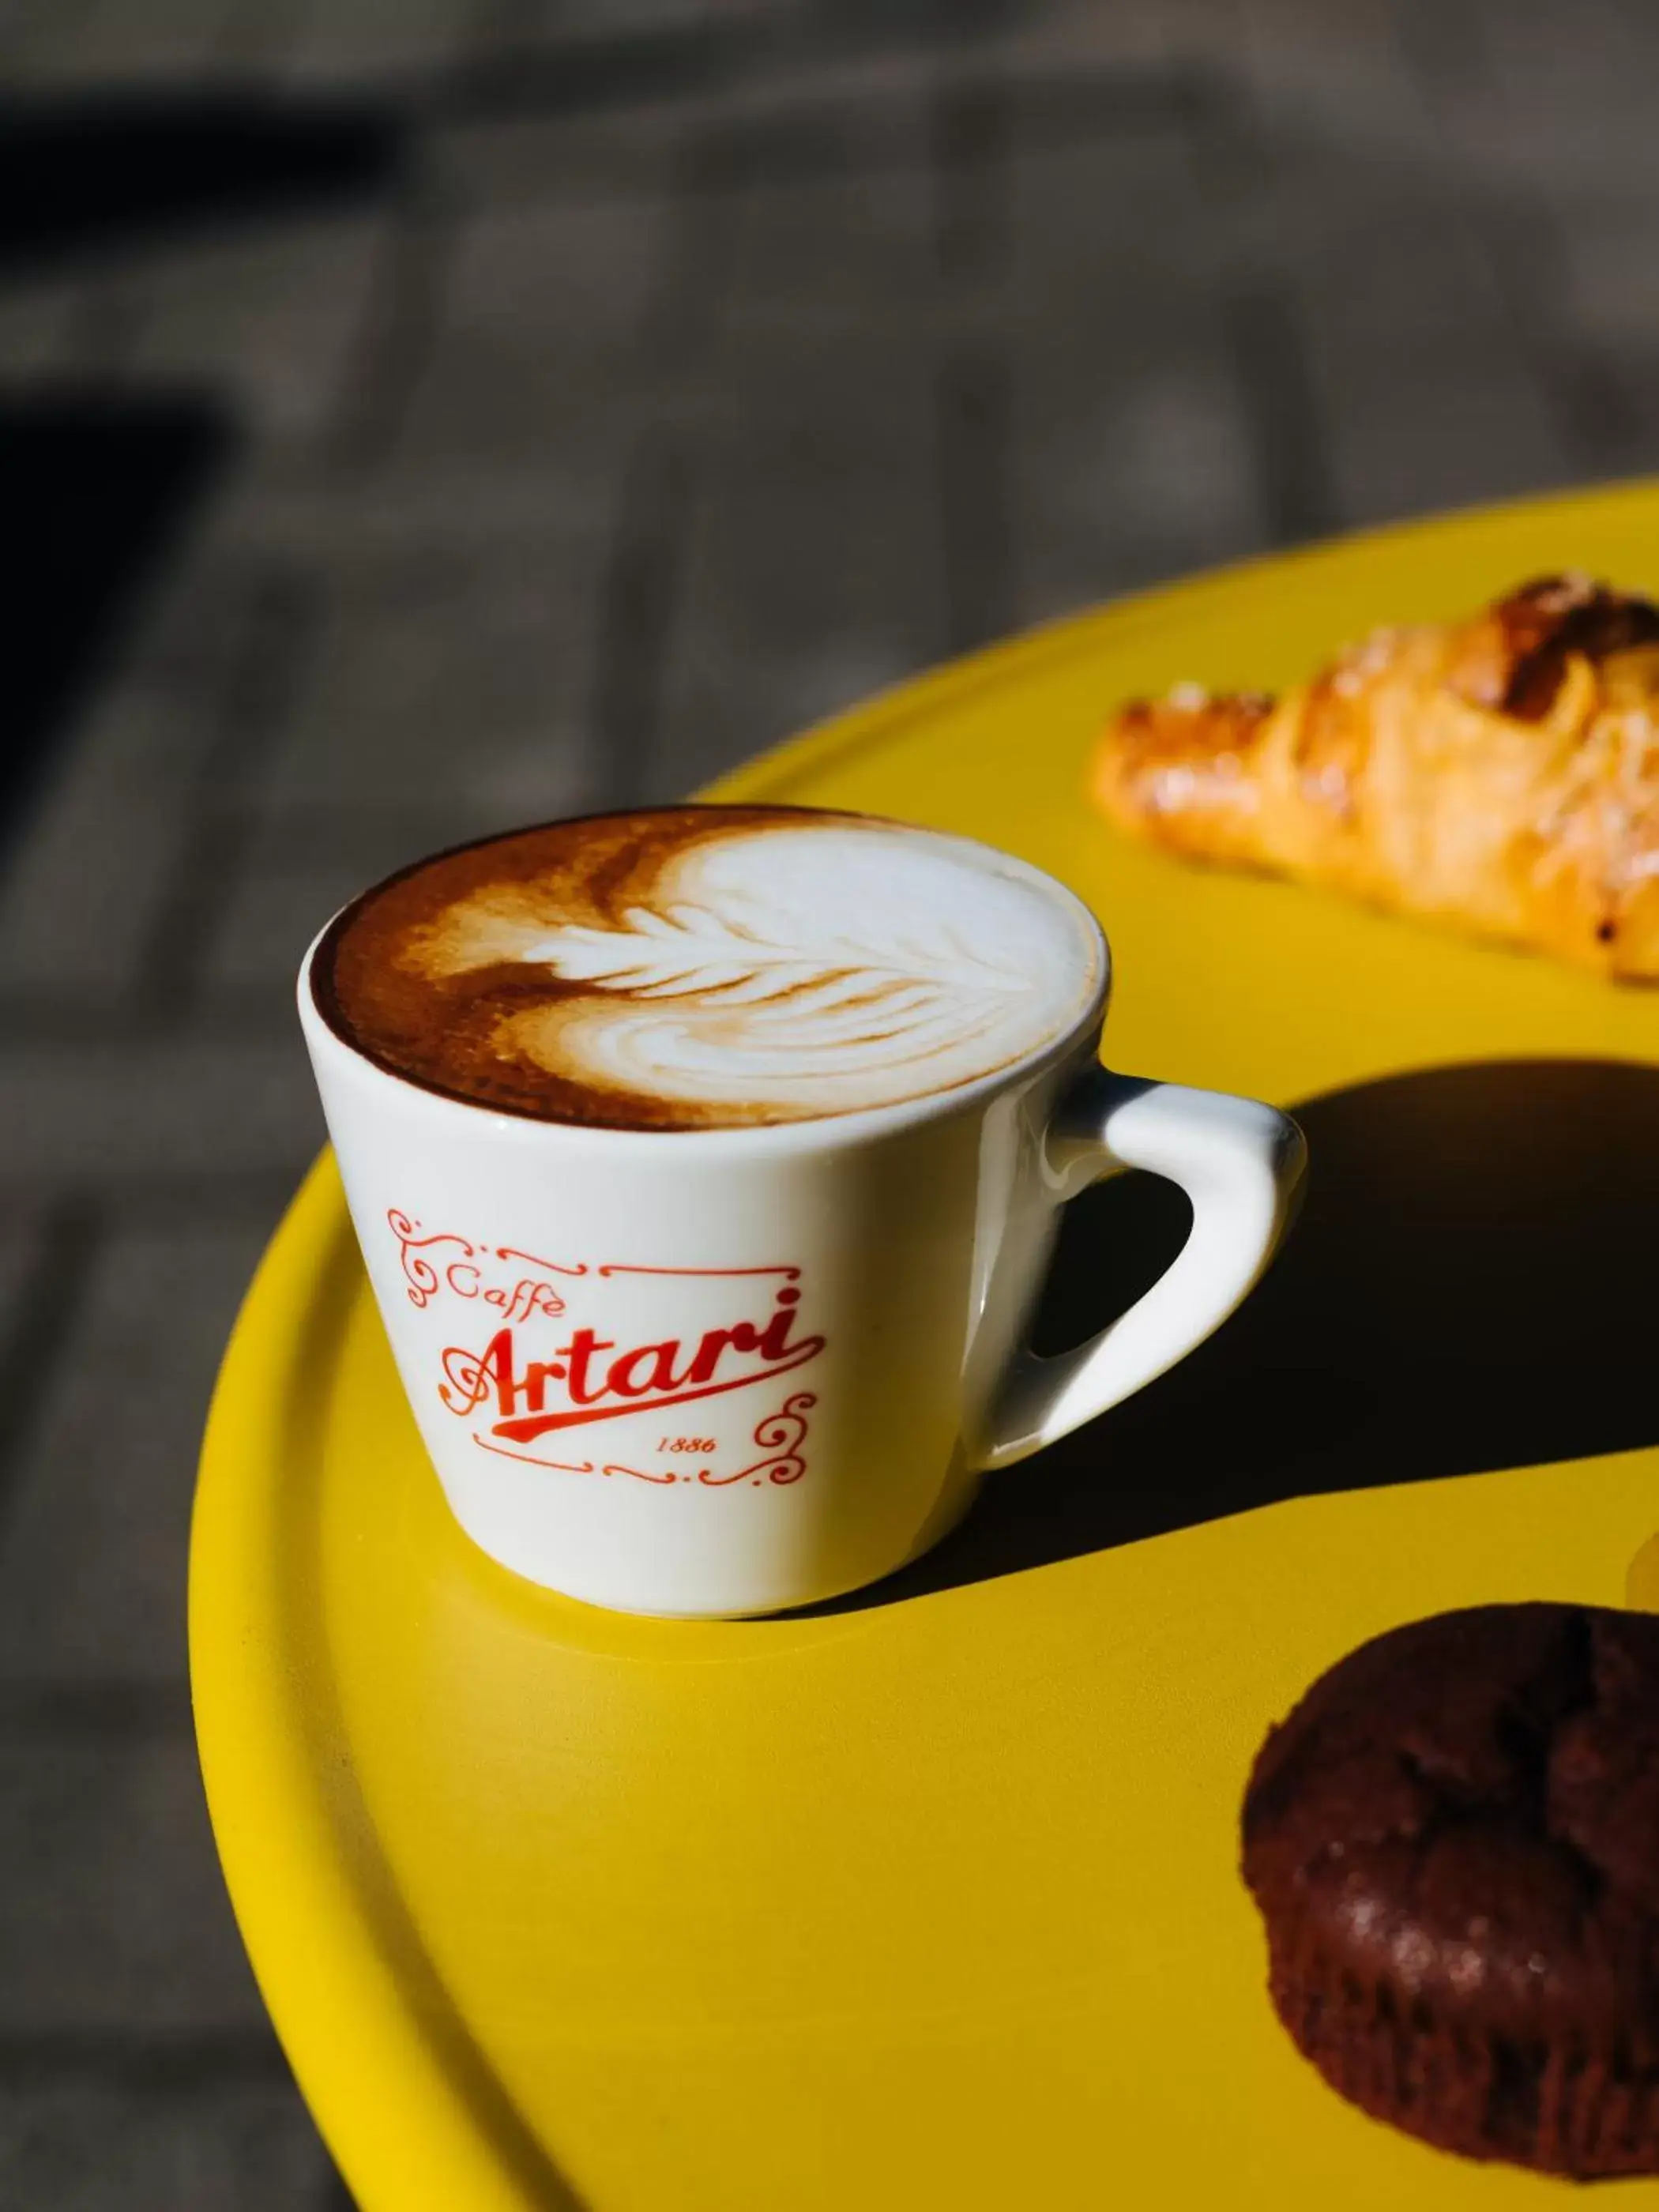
[956,1501]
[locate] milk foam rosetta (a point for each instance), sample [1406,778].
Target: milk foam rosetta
[750,967]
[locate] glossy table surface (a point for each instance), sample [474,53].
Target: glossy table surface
[930,1897]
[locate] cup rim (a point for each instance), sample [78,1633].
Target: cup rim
[804,1132]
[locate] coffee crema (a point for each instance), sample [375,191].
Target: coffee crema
[699,966]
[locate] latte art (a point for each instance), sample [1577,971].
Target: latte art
[699,966]
[799,966]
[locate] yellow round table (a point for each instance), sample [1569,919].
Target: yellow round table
[930,1899]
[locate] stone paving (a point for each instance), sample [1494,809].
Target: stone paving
[705,366]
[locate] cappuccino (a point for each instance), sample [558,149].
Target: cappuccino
[699,966]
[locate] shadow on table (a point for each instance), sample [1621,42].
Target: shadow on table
[1473,1284]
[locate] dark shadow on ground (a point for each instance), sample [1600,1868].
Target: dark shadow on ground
[97,489]
[96,492]
[84,175]
[1473,1284]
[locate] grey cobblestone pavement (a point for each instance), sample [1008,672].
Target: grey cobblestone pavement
[700,367]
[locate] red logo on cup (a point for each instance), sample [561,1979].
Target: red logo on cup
[522,1389]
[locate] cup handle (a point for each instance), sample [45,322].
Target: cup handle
[1239,1161]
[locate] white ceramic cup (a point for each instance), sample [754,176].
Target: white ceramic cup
[727,1371]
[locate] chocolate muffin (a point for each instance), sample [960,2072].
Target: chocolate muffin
[1454,1842]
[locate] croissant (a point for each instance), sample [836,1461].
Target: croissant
[1500,774]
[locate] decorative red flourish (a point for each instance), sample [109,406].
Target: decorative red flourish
[552,1267]
[529,1459]
[569,1467]
[793,1273]
[781,1436]
[418,1273]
